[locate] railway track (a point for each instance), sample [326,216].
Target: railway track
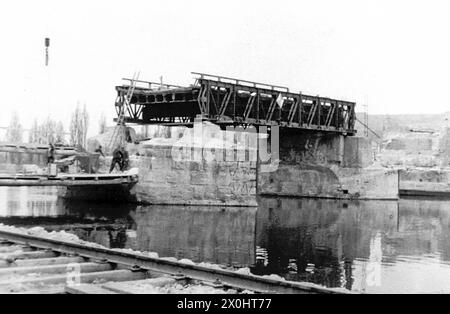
[30,264]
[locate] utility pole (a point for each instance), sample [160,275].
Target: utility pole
[47,45]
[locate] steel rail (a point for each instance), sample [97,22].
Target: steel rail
[218,78]
[152,83]
[196,272]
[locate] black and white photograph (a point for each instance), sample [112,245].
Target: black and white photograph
[224,152]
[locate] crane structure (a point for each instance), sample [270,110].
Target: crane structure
[118,137]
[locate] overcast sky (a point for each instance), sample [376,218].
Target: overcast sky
[395,54]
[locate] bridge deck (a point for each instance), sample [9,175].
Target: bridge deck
[227,101]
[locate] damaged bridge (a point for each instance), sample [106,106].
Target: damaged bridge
[227,101]
[314,154]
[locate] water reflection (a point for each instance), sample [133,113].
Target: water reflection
[23,201]
[203,234]
[318,240]
[377,247]
[210,234]
[40,202]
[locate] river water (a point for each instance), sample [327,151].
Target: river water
[366,246]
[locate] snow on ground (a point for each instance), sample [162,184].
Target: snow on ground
[212,266]
[147,254]
[53,235]
[244,271]
[146,287]
[186,261]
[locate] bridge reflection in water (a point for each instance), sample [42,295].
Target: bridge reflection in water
[367,246]
[216,235]
[319,240]
[371,246]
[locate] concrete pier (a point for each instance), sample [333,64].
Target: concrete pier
[166,180]
[328,166]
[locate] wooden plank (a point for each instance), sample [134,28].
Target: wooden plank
[13,248]
[52,269]
[41,261]
[64,182]
[27,255]
[49,290]
[138,286]
[70,179]
[69,176]
[105,276]
[87,289]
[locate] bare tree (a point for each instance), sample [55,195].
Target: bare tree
[33,135]
[79,126]
[14,133]
[74,126]
[84,125]
[48,130]
[102,124]
[60,133]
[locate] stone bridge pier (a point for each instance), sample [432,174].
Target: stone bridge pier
[324,164]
